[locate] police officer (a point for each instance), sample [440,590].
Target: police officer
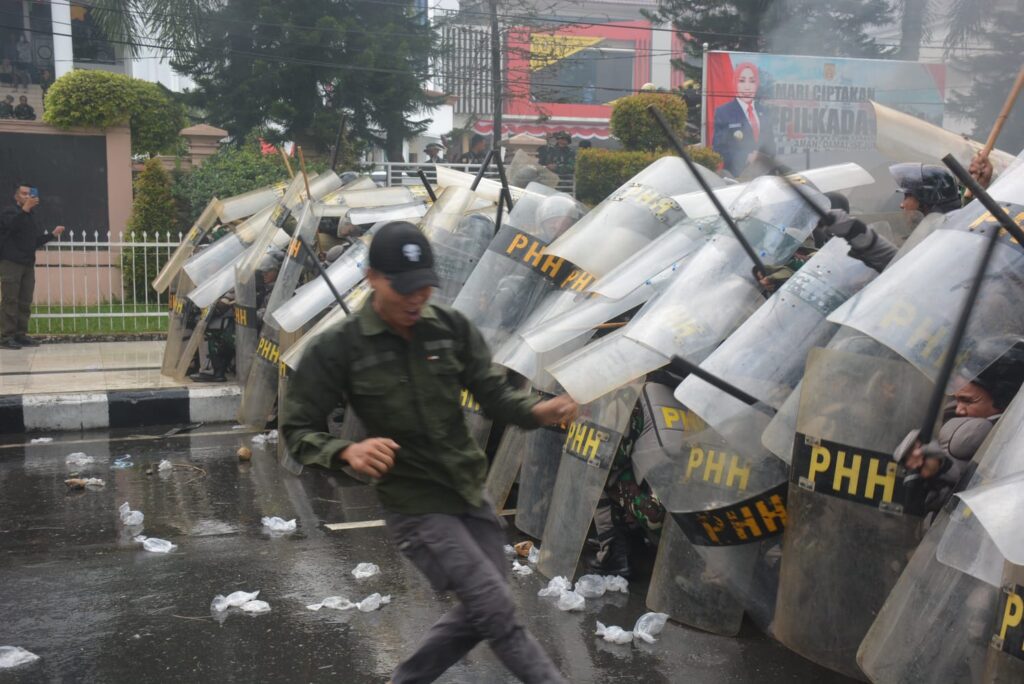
[401,364]
[926,188]
[561,158]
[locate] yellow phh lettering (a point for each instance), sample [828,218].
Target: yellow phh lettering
[1012,615]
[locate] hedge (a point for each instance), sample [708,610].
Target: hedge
[101,99]
[637,130]
[153,216]
[600,172]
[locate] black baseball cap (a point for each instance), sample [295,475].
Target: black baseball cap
[402,252]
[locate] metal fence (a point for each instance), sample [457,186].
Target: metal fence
[86,282]
[404,173]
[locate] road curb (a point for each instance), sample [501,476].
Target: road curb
[118,408]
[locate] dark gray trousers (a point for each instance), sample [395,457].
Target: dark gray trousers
[464,554]
[17,283]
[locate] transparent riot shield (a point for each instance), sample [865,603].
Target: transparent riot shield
[631,217]
[260,390]
[249,203]
[587,454]
[228,248]
[458,240]
[223,281]
[195,235]
[1005,658]
[706,300]
[961,597]
[912,312]
[180,309]
[180,370]
[515,272]
[852,524]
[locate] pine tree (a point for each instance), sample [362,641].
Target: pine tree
[993,71]
[153,208]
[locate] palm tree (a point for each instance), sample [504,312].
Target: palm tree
[154,23]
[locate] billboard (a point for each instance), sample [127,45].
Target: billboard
[784,104]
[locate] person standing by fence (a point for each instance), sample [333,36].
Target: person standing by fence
[20,237]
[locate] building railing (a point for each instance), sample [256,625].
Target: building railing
[407,173]
[87,282]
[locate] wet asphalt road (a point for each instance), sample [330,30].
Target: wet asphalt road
[75,590]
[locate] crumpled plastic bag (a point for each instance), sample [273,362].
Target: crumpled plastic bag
[165,465]
[78,459]
[534,556]
[364,570]
[373,602]
[556,587]
[154,545]
[130,518]
[15,656]
[275,524]
[235,599]
[39,440]
[615,635]
[83,482]
[255,607]
[264,439]
[522,570]
[648,626]
[591,586]
[333,602]
[570,600]
[122,463]
[616,583]
[510,550]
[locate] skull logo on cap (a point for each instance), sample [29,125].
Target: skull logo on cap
[412,252]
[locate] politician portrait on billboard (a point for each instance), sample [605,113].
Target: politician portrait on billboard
[743,125]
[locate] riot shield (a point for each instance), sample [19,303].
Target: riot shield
[227,249]
[851,524]
[180,370]
[260,390]
[180,309]
[961,596]
[458,240]
[705,301]
[913,313]
[195,235]
[587,454]
[223,280]
[515,272]
[631,217]
[1005,658]
[249,203]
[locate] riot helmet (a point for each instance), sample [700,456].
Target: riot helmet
[348,177]
[270,264]
[1003,378]
[555,214]
[932,186]
[334,252]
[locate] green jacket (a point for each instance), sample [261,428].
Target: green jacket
[410,392]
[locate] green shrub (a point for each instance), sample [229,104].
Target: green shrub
[233,170]
[637,130]
[100,99]
[153,218]
[600,172]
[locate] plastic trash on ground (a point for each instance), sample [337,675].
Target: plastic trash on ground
[333,602]
[122,463]
[570,600]
[556,587]
[154,545]
[235,599]
[165,465]
[41,440]
[614,634]
[364,570]
[523,548]
[591,586]
[522,570]
[510,550]
[130,518]
[533,556]
[648,626]
[266,438]
[275,524]
[373,602]
[255,607]
[616,583]
[85,482]
[79,459]
[15,656]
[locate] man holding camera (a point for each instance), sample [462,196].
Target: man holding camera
[20,237]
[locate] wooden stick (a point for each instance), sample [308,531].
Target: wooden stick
[287,164]
[305,176]
[1004,114]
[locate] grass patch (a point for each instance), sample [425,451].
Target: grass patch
[100,319]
